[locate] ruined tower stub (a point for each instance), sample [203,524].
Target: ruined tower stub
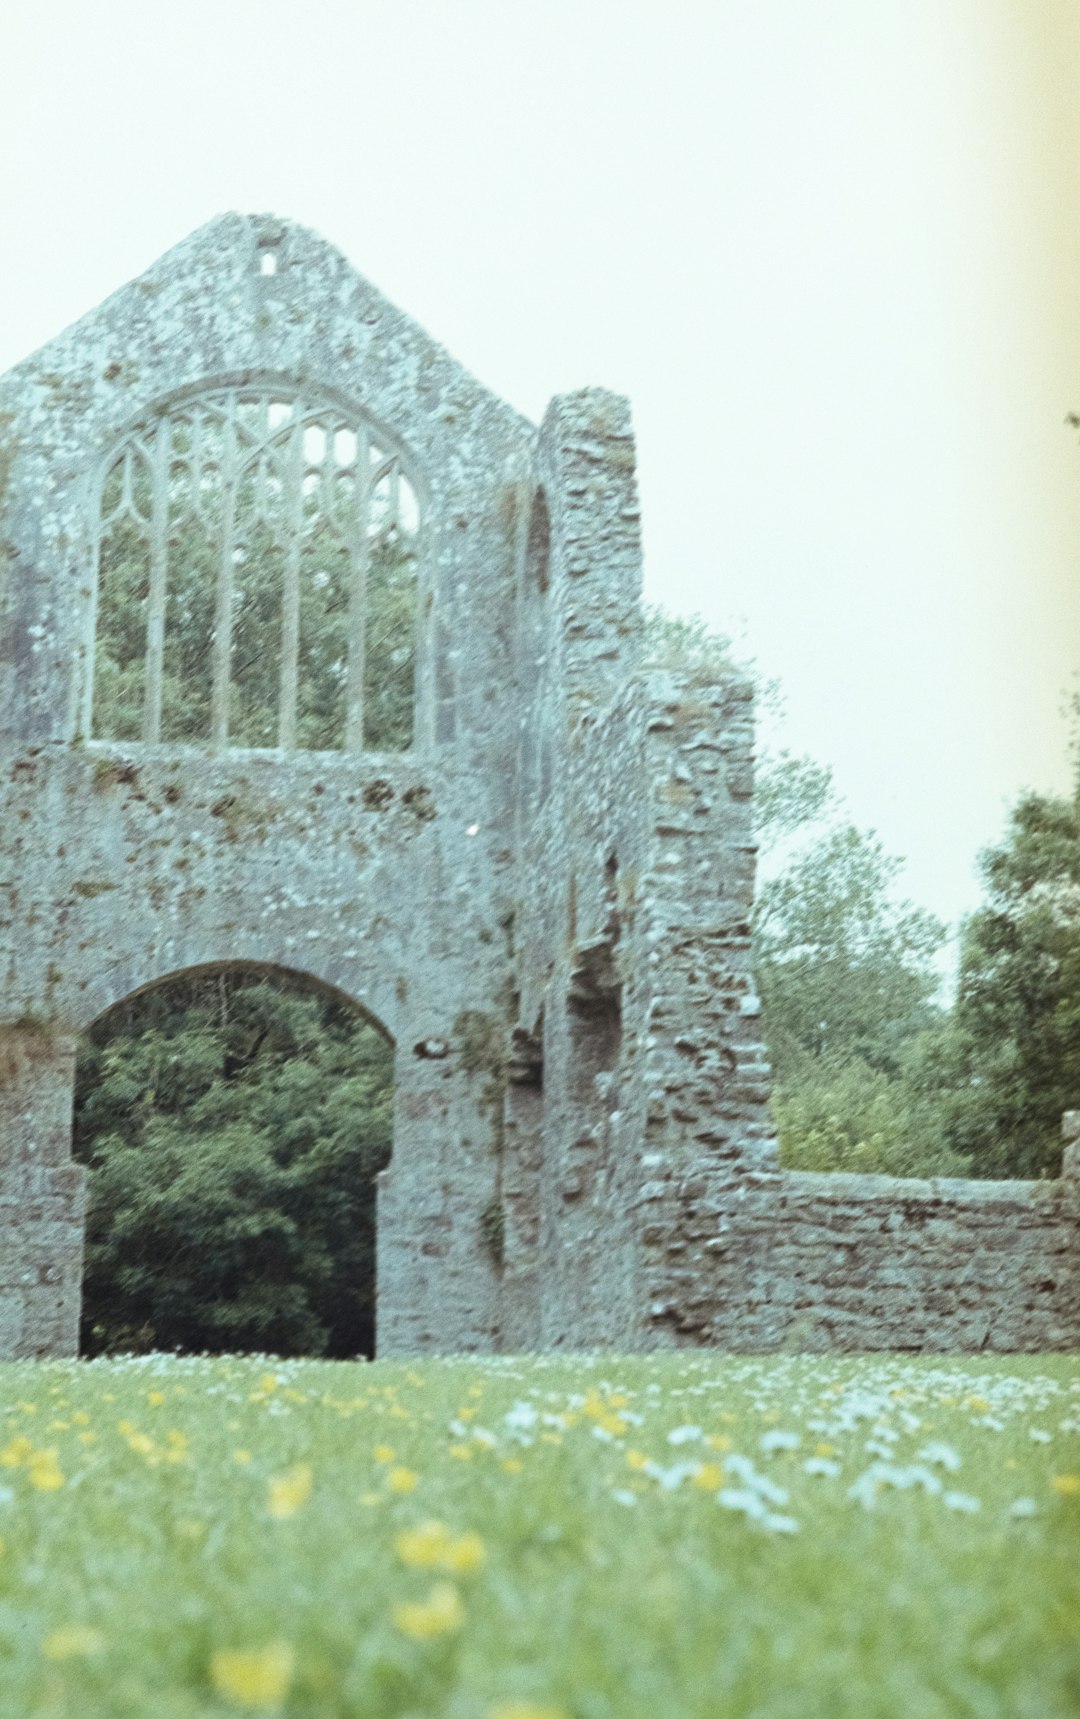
[522,863]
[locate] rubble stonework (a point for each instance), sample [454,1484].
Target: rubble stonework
[544,902]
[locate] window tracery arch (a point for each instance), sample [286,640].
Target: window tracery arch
[256,577]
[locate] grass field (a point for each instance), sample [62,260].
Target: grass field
[666,1537]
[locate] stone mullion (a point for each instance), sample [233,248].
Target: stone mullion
[290,603]
[86,721]
[159,557]
[222,646]
[358,583]
[393,486]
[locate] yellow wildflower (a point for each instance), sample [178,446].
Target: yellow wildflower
[16,1452]
[526,1710]
[1067,1485]
[710,1477]
[465,1555]
[600,1410]
[81,1418]
[430,1545]
[402,1479]
[241,1456]
[636,1459]
[384,1453]
[824,1448]
[176,1445]
[512,1465]
[72,1641]
[463,1452]
[718,1441]
[155,1398]
[268,1382]
[258,1678]
[440,1614]
[423,1546]
[45,1472]
[290,1490]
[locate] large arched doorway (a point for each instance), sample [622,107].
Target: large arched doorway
[232,1120]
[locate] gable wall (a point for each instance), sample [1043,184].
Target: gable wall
[121,864]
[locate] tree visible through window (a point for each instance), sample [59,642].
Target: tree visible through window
[256,579]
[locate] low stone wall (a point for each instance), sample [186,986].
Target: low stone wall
[791,1260]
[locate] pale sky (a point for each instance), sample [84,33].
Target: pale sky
[830,249]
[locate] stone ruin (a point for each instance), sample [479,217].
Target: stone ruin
[524,858]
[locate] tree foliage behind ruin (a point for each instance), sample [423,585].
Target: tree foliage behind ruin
[232,1124]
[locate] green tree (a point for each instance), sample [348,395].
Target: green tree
[1016,1051]
[233,1126]
[845,968]
[844,1114]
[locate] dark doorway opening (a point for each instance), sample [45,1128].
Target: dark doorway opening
[233,1120]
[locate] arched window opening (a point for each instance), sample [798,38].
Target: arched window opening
[256,579]
[233,1121]
[535,668]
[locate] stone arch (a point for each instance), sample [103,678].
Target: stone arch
[334,1185]
[375,1000]
[240,964]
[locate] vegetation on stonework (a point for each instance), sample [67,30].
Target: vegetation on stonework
[232,1126]
[683,1535]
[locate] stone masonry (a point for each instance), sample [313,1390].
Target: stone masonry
[543,901]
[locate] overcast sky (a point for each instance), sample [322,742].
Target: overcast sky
[830,248]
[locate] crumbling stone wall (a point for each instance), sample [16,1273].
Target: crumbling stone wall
[740,1253]
[544,902]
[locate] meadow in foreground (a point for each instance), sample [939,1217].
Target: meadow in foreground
[659,1537]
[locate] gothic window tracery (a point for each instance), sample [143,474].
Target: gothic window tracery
[256,582]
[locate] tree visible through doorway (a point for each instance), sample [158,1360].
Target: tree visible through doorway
[232,1122]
